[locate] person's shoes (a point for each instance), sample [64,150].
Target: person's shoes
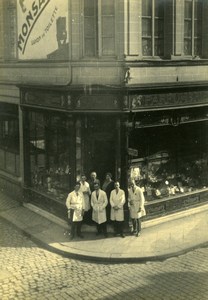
[81,236]
[122,235]
[138,234]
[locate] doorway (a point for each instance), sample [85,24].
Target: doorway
[100,146]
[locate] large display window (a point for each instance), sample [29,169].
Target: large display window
[172,160]
[9,139]
[50,153]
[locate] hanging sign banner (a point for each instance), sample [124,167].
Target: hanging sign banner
[42,29]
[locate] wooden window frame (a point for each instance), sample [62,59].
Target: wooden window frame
[153,37]
[193,37]
[99,37]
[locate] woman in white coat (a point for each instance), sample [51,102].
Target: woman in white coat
[85,189]
[99,202]
[117,200]
[136,206]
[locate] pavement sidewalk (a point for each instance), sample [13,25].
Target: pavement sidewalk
[160,239]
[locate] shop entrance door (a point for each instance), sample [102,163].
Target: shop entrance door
[104,158]
[100,147]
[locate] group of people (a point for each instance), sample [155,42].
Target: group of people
[89,200]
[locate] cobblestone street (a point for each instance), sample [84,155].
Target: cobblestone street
[29,272]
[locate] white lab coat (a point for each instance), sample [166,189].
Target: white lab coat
[117,199]
[136,203]
[99,207]
[85,189]
[77,203]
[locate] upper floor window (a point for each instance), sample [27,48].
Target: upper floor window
[153,27]
[99,27]
[193,28]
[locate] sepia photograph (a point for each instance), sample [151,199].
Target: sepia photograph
[104,149]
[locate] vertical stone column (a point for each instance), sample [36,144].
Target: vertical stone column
[178,28]
[10,29]
[118,149]
[133,28]
[76,27]
[1,31]
[120,43]
[78,149]
[169,28]
[21,147]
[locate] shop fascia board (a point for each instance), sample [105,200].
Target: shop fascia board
[70,87]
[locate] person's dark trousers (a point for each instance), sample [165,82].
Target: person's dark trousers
[88,217]
[102,228]
[76,228]
[73,229]
[118,227]
[136,225]
[73,225]
[108,212]
[79,226]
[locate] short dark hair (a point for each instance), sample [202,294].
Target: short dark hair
[77,183]
[109,174]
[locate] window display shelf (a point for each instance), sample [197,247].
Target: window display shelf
[169,205]
[178,196]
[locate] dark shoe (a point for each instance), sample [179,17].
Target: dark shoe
[138,234]
[81,236]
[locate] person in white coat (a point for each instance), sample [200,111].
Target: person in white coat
[85,189]
[117,200]
[75,204]
[99,202]
[136,206]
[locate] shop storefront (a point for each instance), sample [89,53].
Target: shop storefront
[157,137]
[167,133]
[68,133]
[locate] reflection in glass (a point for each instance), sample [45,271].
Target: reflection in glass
[165,167]
[9,138]
[146,47]
[50,141]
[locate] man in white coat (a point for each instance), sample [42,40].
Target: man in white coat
[75,204]
[99,202]
[136,206]
[117,200]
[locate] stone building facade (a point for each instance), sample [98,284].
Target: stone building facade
[114,86]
